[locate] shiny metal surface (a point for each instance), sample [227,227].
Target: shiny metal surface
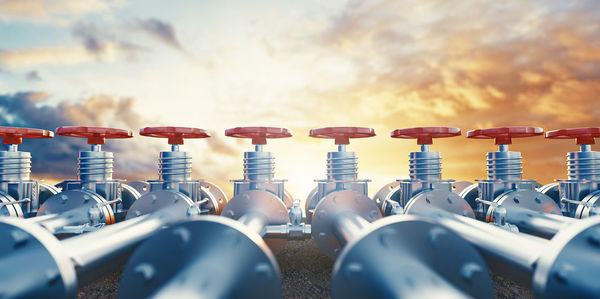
[408,257]
[158,200]
[211,257]
[324,221]
[551,190]
[498,246]
[459,186]
[75,199]
[568,268]
[425,165]
[388,192]
[504,165]
[8,206]
[56,268]
[52,275]
[531,211]
[46,191]
[438,199]
[95,165]
[470,194]
[260,202]
[14,165]
[142,187]
[217,197]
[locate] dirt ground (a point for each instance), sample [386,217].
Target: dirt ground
[306,272]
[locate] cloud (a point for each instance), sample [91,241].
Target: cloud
[468,64]
[33,76]
[134,158]
[99,41]
[52,11]
[160,30]
[26,58]
[437,61]
[97,44]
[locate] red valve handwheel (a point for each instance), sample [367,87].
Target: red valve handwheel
[583,135]
[425,135]
[174,134]
[504,135]
[342,135]
[94,135]
[259,135]
[14,135]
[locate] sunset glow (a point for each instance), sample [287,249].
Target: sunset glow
[300,65]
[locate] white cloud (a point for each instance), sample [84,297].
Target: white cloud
[60,12]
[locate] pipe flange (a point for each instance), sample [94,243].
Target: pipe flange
[387,254]
[568,267]
[590,202]
[470,194]
[263,202]
[157,200]
[211,257]
[46,191]
[524,199]
[142,187]
[77,199]
[9,209]
[438,199]
[333,205]
[288,199]
[552,191]
[216,196]
[388,191]
[31,255]
[459,186]
[310,203]
[129,195]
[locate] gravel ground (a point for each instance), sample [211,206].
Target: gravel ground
[305,272]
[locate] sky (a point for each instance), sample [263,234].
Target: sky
[300,65]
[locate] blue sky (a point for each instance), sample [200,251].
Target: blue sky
[304,64]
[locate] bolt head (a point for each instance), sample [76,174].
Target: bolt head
[352,271]
[469,270]
[19,238]
[264,270]
[594,237]
[435,234]
[146,270]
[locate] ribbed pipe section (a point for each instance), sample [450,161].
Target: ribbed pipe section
[583,165]
[504,165]
[95,166]
[342,166]
[426,166]
[258,166]
[174,166]
[14,165]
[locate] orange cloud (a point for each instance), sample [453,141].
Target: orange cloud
[466,64]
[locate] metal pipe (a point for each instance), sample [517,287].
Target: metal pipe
[98,253]
[544,225]
[55,222]
[509,254]
[348,226]
[255,221]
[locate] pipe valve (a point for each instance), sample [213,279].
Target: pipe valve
[20,195]
[174,186]
[342,166]
[583,172]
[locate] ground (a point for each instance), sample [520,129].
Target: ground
[306,272]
